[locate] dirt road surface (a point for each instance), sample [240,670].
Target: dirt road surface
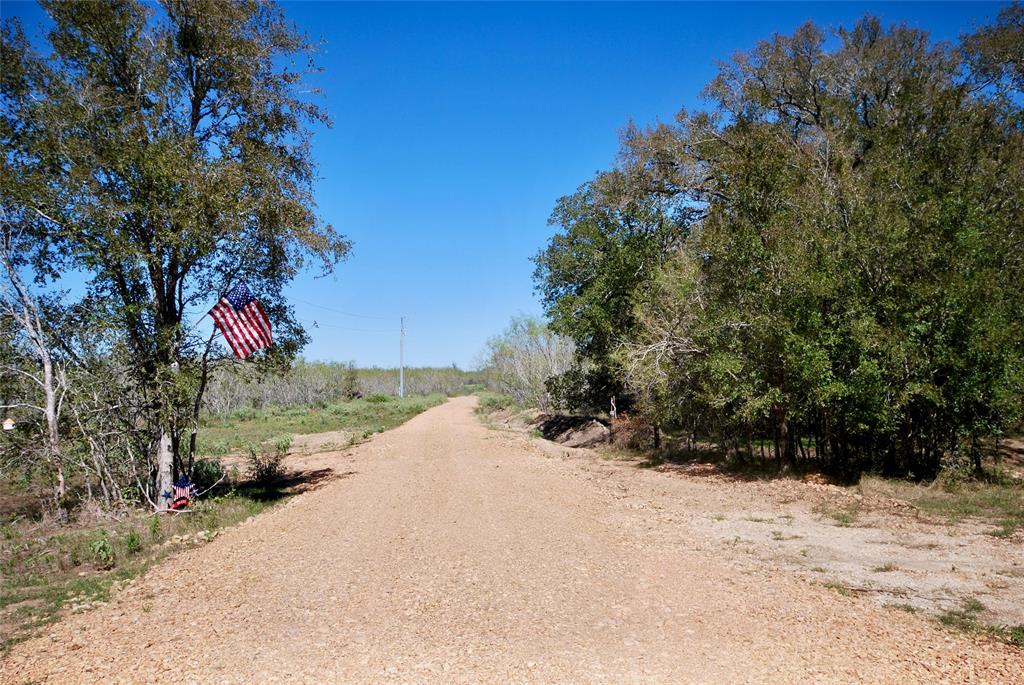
[453,553]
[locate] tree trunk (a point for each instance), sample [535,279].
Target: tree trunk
[22,305]
[164,470]
[53,436]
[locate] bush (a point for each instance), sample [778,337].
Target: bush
[132,542]
[524,356]
[102,549]
[378,399]
[206,473]
[265,460]
[493,403]
[632,432]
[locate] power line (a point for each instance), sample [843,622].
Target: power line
[338,311]
[317,324]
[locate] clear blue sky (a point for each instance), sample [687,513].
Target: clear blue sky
[457,126]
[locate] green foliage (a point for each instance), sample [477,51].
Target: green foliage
[354,417]
[828,259]
[235,389]
[350,382]
[47,570]
[206,473]
[265,460]
[378,399]
[611,241]
[133,542]
[164,154]
[102,549]
[492,402]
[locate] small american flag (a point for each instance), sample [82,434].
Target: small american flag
[241,319]
[182,493]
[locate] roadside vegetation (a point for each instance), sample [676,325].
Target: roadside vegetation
[313,383]
[996,500]
[360,417]
[48,566]
[47,569]
[820,269]
[521,359]
[815,275]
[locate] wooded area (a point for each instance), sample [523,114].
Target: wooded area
[826,262]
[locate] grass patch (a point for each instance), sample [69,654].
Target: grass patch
[903,606]
[361,418]
[843,516]
[491,402]
[46,571]
[996,501]
[967,619]
[837,587]
[886,568]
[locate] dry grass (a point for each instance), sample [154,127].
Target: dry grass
[998,502]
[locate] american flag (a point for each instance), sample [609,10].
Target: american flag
[241,319]
[182,493]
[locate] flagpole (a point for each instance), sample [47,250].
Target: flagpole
[401,358]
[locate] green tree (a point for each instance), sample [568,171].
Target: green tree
[164,153]
[611,240]
[850,274]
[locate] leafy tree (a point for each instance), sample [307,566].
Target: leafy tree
[848,283]
[164,154]
[611,241]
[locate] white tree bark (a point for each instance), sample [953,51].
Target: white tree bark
[18,302]
[164,470]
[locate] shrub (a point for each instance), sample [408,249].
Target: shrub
[132,542]
[493,403]
[102,549]
[350,383]
[265,460]
[206,473]
[631,432]
[524,356]
[378,399]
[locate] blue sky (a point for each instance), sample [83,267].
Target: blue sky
[457,126]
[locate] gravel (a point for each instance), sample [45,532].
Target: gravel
[452,553]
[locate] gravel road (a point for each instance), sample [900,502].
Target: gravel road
[453,553]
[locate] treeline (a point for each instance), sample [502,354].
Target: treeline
[319,383]
[825,264]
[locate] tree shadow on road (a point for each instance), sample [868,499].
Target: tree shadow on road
[291,483]
[710,463]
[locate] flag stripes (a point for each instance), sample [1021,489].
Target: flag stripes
[242,320]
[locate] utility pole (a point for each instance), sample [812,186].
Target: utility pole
[401,359]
